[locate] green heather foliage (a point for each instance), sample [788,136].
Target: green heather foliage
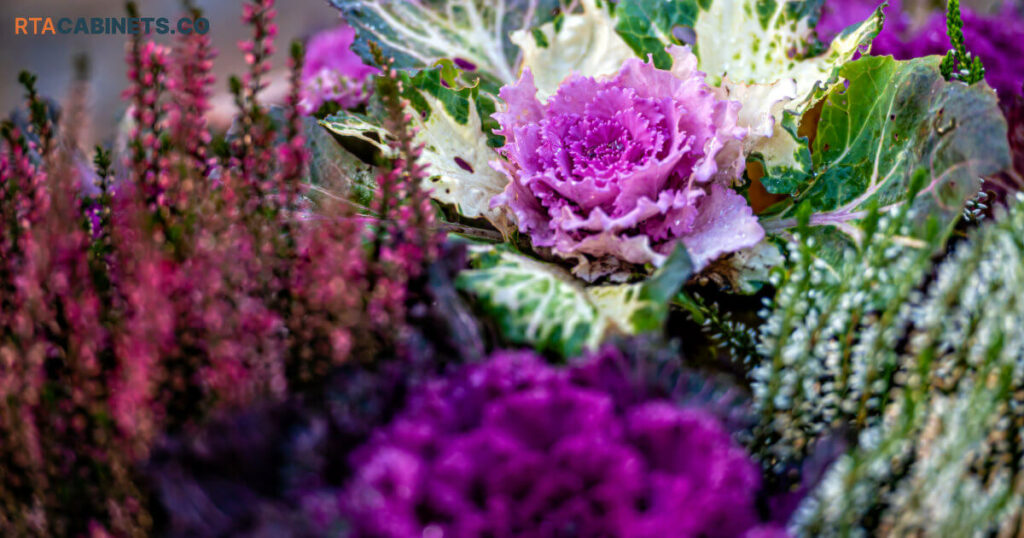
[921,371]
[958,64]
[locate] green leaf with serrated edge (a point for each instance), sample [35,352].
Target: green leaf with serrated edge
[785,157]
[418,34]
[532,302]
[584,43]
[647,26]
[757,44]
[894,120]
[334,172]
[542,305]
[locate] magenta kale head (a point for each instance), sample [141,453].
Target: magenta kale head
[514,447]
[614,172]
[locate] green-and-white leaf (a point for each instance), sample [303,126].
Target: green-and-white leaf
[532,302]
[418,34]
[359,126]
[648,26]
[335,173]
[585,43]
[455,127]
[760,42]
[542,305]
[895,119]
[747,270]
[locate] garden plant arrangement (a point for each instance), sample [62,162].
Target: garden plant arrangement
[633,268]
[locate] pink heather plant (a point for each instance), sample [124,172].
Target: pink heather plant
[332,72]
[55,439]
[614,172]
[187,285]
[147,71]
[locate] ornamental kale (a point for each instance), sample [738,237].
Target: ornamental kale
[263,331]
[513,447]
[614,171]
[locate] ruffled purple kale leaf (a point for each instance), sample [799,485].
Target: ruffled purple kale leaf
[614,172]
[514,447]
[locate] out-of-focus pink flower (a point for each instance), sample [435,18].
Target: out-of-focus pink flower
[332,72]
[331,49]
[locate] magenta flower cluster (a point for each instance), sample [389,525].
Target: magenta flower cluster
[515,447]
[614,172]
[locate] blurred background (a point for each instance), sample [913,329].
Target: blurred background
[51,56]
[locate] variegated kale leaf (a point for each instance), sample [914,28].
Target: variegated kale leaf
[454,125]
[583,42]
[543,305]
[894,119]
[473,33]
[762,53]
[334,173]
[648,26]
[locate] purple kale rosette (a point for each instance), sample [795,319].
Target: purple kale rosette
[614,172]
[514,447]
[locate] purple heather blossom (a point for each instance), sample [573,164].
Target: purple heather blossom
[332,72]
[996,39]
[515,447]
[615,171]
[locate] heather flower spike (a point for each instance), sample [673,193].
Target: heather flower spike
[958,64]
